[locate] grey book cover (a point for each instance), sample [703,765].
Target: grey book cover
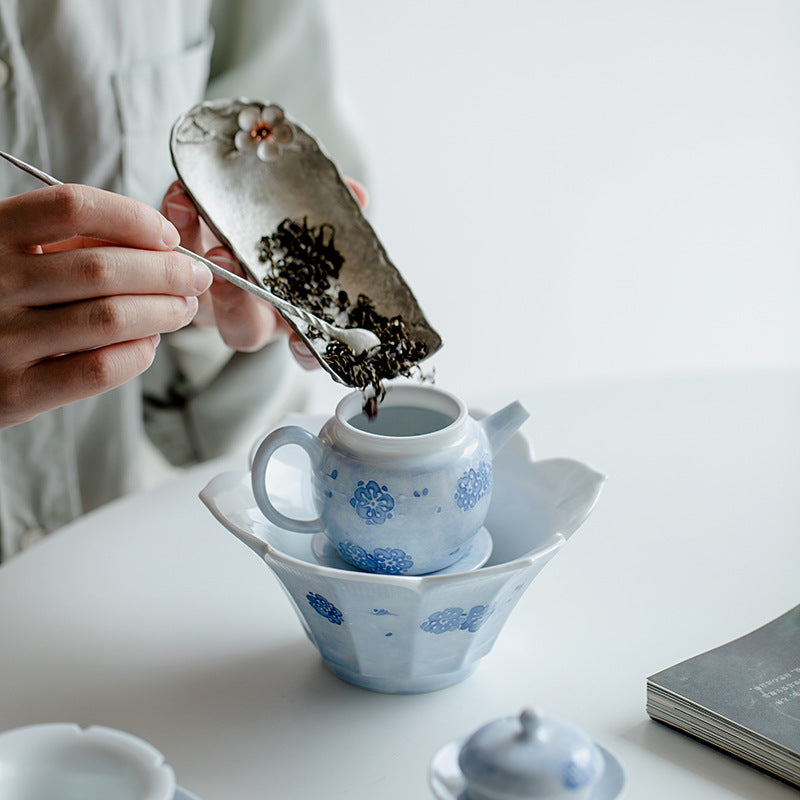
[743,696]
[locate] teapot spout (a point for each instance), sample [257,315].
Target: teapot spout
[503,424]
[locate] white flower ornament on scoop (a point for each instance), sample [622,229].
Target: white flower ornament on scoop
[263,130]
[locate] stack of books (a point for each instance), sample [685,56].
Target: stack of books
[742,697]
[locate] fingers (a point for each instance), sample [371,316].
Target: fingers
[51,356]
[71,275]
[204,318]
[179,209]
[88,283]
[76,327]
[181,212]
[57,381]
[63,212]
[246,323]
[359,192]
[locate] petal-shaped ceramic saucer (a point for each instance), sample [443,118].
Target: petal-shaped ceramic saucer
[476,555]
[448,782]
[249,169]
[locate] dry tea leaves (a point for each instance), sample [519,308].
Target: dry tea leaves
[304,265]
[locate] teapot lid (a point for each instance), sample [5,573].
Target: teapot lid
[529,756]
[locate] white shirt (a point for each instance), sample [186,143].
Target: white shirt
[91,90]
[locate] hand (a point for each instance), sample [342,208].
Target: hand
[245,322]
[88,283]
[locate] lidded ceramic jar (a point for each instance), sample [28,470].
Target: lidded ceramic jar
[530,757]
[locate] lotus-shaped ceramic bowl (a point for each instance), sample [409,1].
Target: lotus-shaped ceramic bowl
[396,633]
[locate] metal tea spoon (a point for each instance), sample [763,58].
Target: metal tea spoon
[357,339]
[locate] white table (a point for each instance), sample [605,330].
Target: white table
[148,616]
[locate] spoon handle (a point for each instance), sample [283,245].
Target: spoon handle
[358,339]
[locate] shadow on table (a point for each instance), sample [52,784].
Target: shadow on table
[246,714]
[707,762]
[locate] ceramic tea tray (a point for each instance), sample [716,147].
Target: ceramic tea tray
[406,633]
[249,168]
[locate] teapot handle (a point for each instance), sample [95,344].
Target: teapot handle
[291,434]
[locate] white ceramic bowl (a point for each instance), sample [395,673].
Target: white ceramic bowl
[62,760]
[397,633]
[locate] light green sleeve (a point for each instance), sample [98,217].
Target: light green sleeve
[282,51]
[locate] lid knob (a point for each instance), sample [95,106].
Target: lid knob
[528,721]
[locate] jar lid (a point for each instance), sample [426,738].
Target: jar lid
[530,756]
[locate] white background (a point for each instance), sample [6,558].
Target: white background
[577,189]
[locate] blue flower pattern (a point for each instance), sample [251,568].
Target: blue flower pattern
[476,616]
[577,775]
[455,618]
[473,485]
[325,608]
[390,561]
[355,554]
[372,502]
[443,621]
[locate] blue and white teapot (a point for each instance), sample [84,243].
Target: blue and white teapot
[404,492]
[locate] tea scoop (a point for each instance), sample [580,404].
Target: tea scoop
[268,191]
[358,339]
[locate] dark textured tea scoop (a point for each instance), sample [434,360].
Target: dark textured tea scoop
[267,191]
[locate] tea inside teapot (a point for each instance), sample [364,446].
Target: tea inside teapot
[401,421]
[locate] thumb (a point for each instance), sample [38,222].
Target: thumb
[181,212]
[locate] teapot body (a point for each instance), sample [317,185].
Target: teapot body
[411,505]
[403,492]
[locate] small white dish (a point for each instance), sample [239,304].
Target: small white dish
[96,763]
[475,556]
[448,783]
